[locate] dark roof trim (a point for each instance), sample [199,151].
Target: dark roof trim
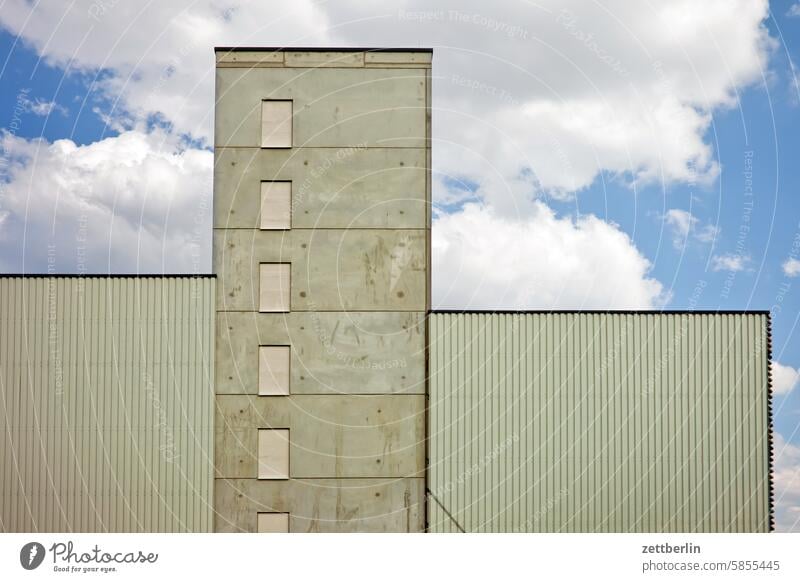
[604,311]
[770,432]
[321,49]
[106,276]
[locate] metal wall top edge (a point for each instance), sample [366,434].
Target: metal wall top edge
[599,311]
[108,276]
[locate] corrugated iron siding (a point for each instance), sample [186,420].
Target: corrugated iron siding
[106,403]
[611,422]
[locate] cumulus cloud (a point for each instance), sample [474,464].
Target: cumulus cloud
[570,89]
[137,202]
[40,107]
[787,485]
[484,260]
[567,90]
[683,224]
[530,100]
[731,262]
[158,57]
[132,202]
[784,378]
[791,267]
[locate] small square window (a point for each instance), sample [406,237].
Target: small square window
[273,523]
[273,453]
[273,370]
[276,205]
[274,287]
[276,124]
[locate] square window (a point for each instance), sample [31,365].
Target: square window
[274,287]
[273,453]
[273,370]
[276,205]
[273,523]
[276,124]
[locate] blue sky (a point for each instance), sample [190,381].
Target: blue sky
[24,71]
[674,153]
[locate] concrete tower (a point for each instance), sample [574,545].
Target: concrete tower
[321,248]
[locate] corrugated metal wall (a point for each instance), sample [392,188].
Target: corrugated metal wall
[599,422]
[106,403]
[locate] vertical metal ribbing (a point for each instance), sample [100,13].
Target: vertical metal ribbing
[625,421]
[99,377]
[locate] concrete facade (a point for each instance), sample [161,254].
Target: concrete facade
[352,252]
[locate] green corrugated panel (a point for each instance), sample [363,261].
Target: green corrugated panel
[599,422]
[106,402]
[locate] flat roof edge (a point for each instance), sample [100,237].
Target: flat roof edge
[321,49]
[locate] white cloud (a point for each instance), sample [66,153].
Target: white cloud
[683,224]
[39,106]
[730,262]
[160,54]
[787,485]
[484,260]
[707,233]
[42,108]
[570,89]
[794,10]
[784,378]
[791,267]
[565,88]
[138,202]
[529,100]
